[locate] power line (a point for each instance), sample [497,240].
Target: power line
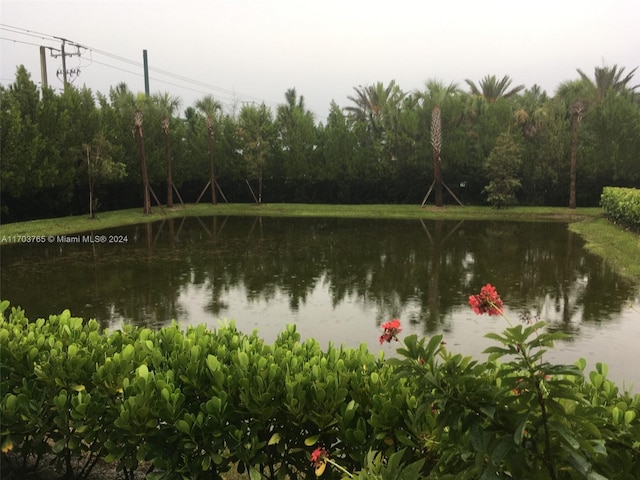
[230,96]
[182,78]
[20,41]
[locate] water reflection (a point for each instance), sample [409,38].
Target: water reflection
[337,278]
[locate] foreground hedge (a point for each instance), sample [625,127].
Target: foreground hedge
[192,403]
[622,205]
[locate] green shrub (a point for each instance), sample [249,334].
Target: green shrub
[622,205]
[193,403]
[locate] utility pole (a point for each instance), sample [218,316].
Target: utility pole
[145,61]
[43,67]
[64,56]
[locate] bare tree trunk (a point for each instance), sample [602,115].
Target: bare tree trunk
[165,127]
[143,163]
[260,187]
[212,175]
[91,212]
[437,176]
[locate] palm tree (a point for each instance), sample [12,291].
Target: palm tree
[580,95]
[167,104]
[374,103]
[209,106]
[491,89]
[532,111]
[609,78]
[436,95]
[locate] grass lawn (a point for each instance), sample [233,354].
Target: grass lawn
[620,247]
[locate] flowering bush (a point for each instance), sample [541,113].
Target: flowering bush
[516,415]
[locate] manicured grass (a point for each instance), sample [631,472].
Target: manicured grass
[621,248]
[618,245]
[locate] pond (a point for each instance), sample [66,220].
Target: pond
[338,280]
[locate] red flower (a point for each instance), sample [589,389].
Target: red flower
[318,455]
[487,301]
[391,331]
[319,460]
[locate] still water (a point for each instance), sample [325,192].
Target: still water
[337,280]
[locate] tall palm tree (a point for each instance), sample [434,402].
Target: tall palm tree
[436,95]
[167,104]
[209,107]
[580,95]
[491,89]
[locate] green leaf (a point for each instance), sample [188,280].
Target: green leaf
[213,363]
[254,474]
[310,441]
[59,446]
[275,438]
[127,352]
[143,371]
[243,359]
[182,426]
[629,416]
[519,433]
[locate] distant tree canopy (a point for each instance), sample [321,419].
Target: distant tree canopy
[386,146]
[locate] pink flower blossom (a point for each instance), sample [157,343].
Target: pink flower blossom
[391,331]
[487,301]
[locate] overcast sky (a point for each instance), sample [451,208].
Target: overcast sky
[251,50]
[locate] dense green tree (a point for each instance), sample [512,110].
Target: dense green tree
[501,168]
[21,142]
[100,167]
[256,128]
[297,143]
[338,149]
[374,150]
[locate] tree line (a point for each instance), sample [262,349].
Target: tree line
[77,151]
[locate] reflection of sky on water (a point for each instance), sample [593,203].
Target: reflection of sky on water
[350,323]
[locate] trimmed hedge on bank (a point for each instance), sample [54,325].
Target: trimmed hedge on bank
[192,403]
[622,205]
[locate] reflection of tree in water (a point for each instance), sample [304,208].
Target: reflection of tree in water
[420,271]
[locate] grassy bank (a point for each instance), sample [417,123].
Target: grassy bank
[82,223]
[619,247]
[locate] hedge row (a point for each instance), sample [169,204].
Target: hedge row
[192,403]
[622,205]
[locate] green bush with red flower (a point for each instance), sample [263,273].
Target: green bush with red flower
[195,403]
